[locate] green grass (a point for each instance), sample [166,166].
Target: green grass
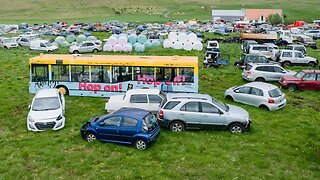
[283,144]
[38,11]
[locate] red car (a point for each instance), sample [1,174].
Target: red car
[302,80]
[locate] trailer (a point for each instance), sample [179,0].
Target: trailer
[259,37]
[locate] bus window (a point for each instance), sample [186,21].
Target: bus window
[187,73]
[121,73]
[60,73]
[148,72]
[80,73]
[100,74]
[165,74]
[39,73]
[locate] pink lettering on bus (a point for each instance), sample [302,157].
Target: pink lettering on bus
[97,87]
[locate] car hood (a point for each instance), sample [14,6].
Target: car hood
[74,47]
[290,73]
[45,115]
[311,58]
[116,98]
[237,111]
[290,78]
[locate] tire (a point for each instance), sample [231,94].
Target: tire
[229,98]
[286,64]
[236,128]
[63,90]
[91,137]
[75,52]
[177,126]
[292,87]
[311,64]
[49,51]
[264,107]
[260,79]
[6,47]
[95,51]
[140,144]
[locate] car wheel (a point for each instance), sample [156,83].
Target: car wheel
[260,79]
[90,137]
[264,107]
[311,64]
[229,98]
[177,126]
[76,52]
[286,64]
[95,50]
[49,51]
[292,87]
[236,128]
[141,144]
[6,47]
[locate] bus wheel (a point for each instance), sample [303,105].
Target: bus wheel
[63,90]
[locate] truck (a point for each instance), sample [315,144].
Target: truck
[147,99]
[259,37]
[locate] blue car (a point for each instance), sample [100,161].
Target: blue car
[127,126]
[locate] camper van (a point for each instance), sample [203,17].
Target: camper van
[42,45]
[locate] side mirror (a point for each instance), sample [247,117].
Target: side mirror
[29,106]
[283,72]
[101,123]
[220,112]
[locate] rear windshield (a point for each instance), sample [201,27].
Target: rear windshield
[150,120]
[275,93]
[171,105]
[248,67]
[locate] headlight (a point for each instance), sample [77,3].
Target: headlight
[59,117]
[30,119]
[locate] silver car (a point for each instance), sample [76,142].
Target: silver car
[264,72]
[86,47]
[258,94]
[197,111]
[8,43]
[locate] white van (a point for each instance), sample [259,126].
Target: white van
[42,45]
[264,50]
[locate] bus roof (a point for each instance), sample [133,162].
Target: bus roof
[120,60]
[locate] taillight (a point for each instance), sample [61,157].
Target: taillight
[271,101]
[249,72]
[161,114]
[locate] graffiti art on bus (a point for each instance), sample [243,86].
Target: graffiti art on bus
[41,83]
[151,80]
[98,87]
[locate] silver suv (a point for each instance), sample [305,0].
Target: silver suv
[85,47]
[200,111]
[264,72]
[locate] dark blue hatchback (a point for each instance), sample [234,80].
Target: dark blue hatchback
[127,125]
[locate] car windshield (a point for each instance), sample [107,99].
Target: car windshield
[299,74]
[44,104]
[150,120]
[275,93]
[220,104]
[48,44]
[8,41]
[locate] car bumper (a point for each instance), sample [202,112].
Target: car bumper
[274,107]
[163,122]
[247,78]
[46,125]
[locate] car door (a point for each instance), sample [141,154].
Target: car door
[89,47]
[309,82]
[42,47]
[139,101]
[154,103]
[299,58]
[128,129]
[241,94]
[318,82]
[190,114]
[278,73]
[83,48]
[109,129]
[211,117]
[287,56]
[255,98]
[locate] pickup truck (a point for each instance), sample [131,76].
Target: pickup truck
[147,99]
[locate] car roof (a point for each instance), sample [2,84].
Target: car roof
[133,112]
[172,96]
[288,50]
[311,71]
[261,85]
[259,45]
[295,45]
[43,93]
[251,41]
[143,91]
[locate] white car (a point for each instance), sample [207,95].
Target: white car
[8,43]
[258,94]
[47,111]
[42,45]
[289,57]
[86,47]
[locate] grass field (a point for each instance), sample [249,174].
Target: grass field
[39,11]
[283,144]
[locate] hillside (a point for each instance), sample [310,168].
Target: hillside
[125,10]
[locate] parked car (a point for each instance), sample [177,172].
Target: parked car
[264,50]
[258,94]
[289,58]
[127,126]
[47,111]
[264,72]
[85,47]
[200,111]
[24,41]
[312,32]
[302,80]
[297,47]
[307,41]
[42,45]
[251,58]
[147,99]
[8,43]
[246,45]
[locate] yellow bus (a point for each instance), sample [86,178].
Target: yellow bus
[107,75]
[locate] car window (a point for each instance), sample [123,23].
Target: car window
[248,67]
[318,77]
[256,92]
[278,69]
[129,122]
[287,54]
[90,44]
[264,68]
[112,121]
[245,90]
[139,98]
[289,47]
[191,107]
[310,77]
[208,108]
[298,55]
[154,98]
[171,105]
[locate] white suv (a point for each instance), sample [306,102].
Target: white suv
[47,111]
[86,47]
[289,57]
[265,50]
